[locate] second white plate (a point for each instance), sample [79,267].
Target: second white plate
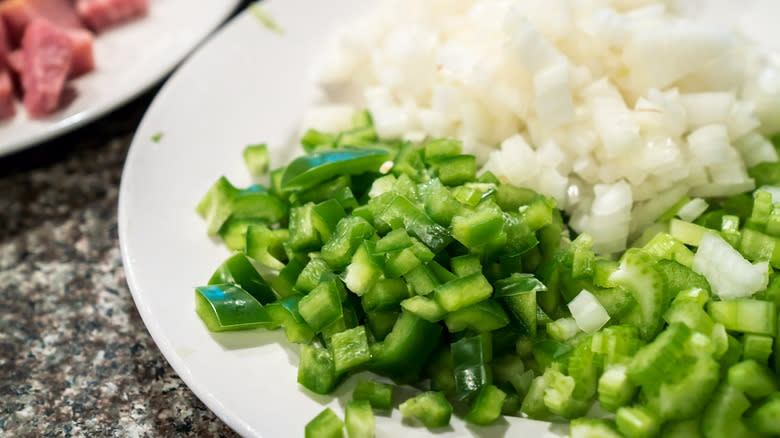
[129,59]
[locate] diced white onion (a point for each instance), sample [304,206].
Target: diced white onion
[772,190]
[693,209]
[729,274]
[710,144]
[561,96]
[554,104]
[589,314]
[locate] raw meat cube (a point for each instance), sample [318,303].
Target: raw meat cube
[18,14]
[48,52]
[7,109]
[15,61]
[99,15]
[83,58]
[4,45]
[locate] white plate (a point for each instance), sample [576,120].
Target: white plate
[245,85]
[129,59]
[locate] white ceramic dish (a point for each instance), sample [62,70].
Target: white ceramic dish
[130,59]
[245,85]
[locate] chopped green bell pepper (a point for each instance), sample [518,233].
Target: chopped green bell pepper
[224,307]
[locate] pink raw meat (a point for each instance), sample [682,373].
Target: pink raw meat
[15,60]
[99,15]
[18,14]
[7,108]
[83,58]
[48,52]
[4,45]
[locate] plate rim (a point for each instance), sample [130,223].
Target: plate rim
[91,114]
[176,362]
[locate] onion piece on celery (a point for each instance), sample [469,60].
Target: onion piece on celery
[693,209]
[729,274]
[588,312]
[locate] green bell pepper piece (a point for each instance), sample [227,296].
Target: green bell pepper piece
[283,285]
[487,406]
[378,394]
[403,352]
[233,232]
[401,213]
[458,169]
[323,191]
[477,228]
[350,349]
[326,215]
[215,207]
[257,159]
[470,358]
[316,370]
[303,236]
[224,307]
[313,140]
[431,408]
[259,203]
[321,306]
[510,197]
[350,232]
[284,312]
[312,169]
[485,316]
[462,292]
[436,150]
[265,245]
[238,270]
[309,277]
[359,419]
[325,425]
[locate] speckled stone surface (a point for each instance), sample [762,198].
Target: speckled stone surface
[75,357]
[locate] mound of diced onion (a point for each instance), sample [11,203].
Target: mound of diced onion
[617,108]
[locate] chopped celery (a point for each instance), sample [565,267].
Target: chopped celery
[757,347]
[745,315]
[755,380]
[766,419]
[593,428]
[639,275]
[615,389]
[637,422]
[722,418]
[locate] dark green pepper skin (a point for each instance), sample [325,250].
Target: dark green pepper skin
[318,166]
[406,348]
[470,358]
[239,270]
[224,307]
[258,202]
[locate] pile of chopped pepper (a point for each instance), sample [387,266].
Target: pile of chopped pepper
[397,258]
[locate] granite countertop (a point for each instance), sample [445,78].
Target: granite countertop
[75,357]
